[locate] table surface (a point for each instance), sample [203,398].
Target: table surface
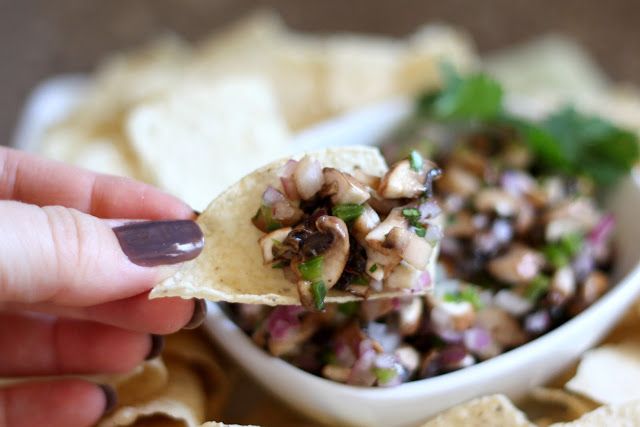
[40,38]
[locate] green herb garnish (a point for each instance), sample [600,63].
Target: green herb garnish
[263,219]
[359,280]
[562,252]
[468,293]
[415,160]
[420,230]
[413,216]
[347,212]
[384,375]
[373,268]
[319,291]
[538,286]
[280,264]
[311,269]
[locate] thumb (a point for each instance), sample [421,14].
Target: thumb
[63,256]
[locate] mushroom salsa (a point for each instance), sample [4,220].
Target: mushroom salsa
[525,247]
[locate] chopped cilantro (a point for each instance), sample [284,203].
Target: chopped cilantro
[311,269]
[560,253]
[280,264]
[412,214]
[359,280]
[384,375]
[420,230]
[373,268]
[415,160]
[537,287]
[348,211]
[319,291]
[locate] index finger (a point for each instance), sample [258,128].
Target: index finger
[35,180]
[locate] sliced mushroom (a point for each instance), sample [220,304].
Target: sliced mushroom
[308,177]
[410,316]
[269,240]
[343,188]
[336,373]
[380,264]
[496,200]
[518,266]
[403,276]
[578,215]
[413,249]
[457,316]
[366,179]
[402,181]
[563,285]
[460,182]
[336,256]
[503,327]
[367,221]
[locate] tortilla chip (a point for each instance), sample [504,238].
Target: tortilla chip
[199,139]
[181,401]
[216,424]
[495,411]
[560,404]
[625,415]
[142,382]
[609,374]
[230,267]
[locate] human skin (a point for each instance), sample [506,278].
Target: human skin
[74,292]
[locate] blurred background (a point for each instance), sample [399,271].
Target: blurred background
[40,38]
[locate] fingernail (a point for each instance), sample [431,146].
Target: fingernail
[110,398]
[157,345]
[152,243]
[197,213]
[199,314]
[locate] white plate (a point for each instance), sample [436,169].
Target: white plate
[512,373]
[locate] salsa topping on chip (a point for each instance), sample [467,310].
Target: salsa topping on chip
[327,228]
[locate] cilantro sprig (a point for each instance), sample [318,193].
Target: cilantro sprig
[567,141]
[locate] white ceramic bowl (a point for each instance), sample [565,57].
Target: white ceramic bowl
[512,373]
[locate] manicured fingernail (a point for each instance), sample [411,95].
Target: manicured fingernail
[199,314]
[197,213]
[157,345]
[152,243]
[110,398]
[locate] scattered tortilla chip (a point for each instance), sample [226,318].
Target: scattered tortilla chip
[142,382]
[230,267]
[609,374]
[568,406]
[495,411]
[181,401]
[625,415]
[198,140]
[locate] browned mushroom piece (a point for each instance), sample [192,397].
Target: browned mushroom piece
[504,328]
[408,357]
[290,342]
[268,241]
[376,237]
[594,286]
[367,221]
[343,188]
[498,201]
[571,216]
[410,315]
[470,160]
[336,373]
[457,316]
[563,285]
[519,265]
[370,181]
[336,256]
[374,309]
[458,181]
[517,156]
[460,225]
[308,177]
[402,181]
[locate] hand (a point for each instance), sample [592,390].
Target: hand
[75,272]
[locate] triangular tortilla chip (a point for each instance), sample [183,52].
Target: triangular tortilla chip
[627,415]
[495,410]
[230,268]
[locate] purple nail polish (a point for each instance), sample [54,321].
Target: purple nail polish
[152,243]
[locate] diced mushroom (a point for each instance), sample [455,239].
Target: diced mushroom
[379,264]
[456,316]
[367,221]
[594,286]
[413,249]
[503,327]
[336,256]
[336,373]
[460,225]
[517,156]
[410,314]
[374,309]
[291,339]
[366,179]
[269,240]
[381,205]
[361,291]
[286,214]
[377,236]
[496,200]
[525,218]
[308,177]
[512,303]
[403,276]
[563,285]
[408,357]
[518,266]
[458,181]
[343,188]
[578,215]
[402,181]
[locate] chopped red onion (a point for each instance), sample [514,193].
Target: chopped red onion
[502,229]
[344,354]
[423,282]
[308,177]
[455,357]
[288,168]
[602,231]
[429,209]
[477,340]
[516,182]
[290,188]
[389,339]
[283,320]
[385,361]
[271,196]
[450,336]
[433,234]
[376,285]
[362,372]
[512,303]
[537,323]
